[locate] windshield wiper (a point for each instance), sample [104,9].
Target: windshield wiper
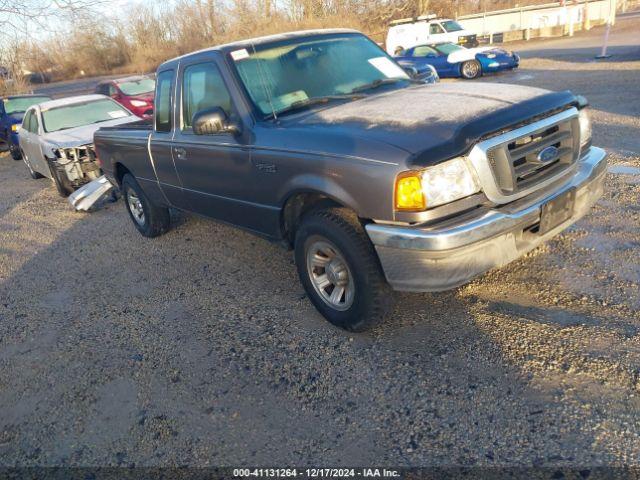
[380,82]
[308,102]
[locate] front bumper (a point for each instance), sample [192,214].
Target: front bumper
[453,252]
[499,63]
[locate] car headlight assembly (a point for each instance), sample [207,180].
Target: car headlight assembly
[138,103]
[585,129]
[434,186]
[15,127]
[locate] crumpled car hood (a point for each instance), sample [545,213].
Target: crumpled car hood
[446,117]
[83,135]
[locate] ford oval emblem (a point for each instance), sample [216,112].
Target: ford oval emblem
[548,154]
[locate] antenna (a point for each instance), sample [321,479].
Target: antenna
[263,79]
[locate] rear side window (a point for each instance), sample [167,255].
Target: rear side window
[33,124]
[203,88]
[434,29]
[163,101]
[26,121]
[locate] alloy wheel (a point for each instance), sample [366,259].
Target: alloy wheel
[330,274]
[135,207]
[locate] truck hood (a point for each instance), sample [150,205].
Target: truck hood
[435,122]
[15,117]
[75,137]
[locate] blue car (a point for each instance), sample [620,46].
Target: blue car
[452,60]
[12,110]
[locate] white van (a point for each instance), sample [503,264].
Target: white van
[409,32]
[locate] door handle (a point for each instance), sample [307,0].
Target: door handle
[181,153]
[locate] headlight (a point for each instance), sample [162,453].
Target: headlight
[15,127]
[138,103]
[585,129]
[437,185]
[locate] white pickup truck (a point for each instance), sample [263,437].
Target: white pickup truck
[410,32]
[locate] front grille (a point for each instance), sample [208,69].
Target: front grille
[521,162]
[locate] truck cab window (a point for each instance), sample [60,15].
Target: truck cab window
[163,101]
[203,88]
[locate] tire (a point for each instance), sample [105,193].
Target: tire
[150,219]
[35,175]
[62,187]
[367,298]
[470,69]
[15,153]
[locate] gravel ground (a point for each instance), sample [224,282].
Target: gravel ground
[200,348]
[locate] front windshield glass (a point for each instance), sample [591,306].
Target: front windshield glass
[451,26]
[448,48]
[79,114]
[292,72]
[21,104]
[138,87]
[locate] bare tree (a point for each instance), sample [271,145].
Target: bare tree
[15,15]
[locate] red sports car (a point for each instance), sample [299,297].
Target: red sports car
[134,93]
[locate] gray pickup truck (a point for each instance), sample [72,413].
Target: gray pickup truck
[319,140]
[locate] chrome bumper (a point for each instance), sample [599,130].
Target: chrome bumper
[453,252]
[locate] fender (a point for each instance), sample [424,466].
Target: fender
[312,183]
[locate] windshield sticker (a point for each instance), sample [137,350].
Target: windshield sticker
[387,67]
[117,114]
[240,54]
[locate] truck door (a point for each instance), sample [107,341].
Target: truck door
[160,150]
[215,169]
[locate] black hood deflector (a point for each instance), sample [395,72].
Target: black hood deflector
[491,124]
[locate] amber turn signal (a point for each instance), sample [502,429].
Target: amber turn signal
[409,194]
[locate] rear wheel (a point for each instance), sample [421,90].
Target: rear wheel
[339,270]
[471,69]
[150,219]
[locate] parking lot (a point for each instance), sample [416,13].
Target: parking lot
[199,347]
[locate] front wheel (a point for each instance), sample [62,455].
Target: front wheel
[471,69]
[339,270]
[150,219]
[15,153]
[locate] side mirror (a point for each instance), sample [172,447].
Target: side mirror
[411,71]
[211,121]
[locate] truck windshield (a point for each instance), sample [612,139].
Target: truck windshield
[289,73]
[138,87]
[21,104]
[80,114]
[451,26]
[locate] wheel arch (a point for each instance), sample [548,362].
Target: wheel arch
[119,171]
[298,203]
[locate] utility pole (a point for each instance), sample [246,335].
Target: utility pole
[611,20]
